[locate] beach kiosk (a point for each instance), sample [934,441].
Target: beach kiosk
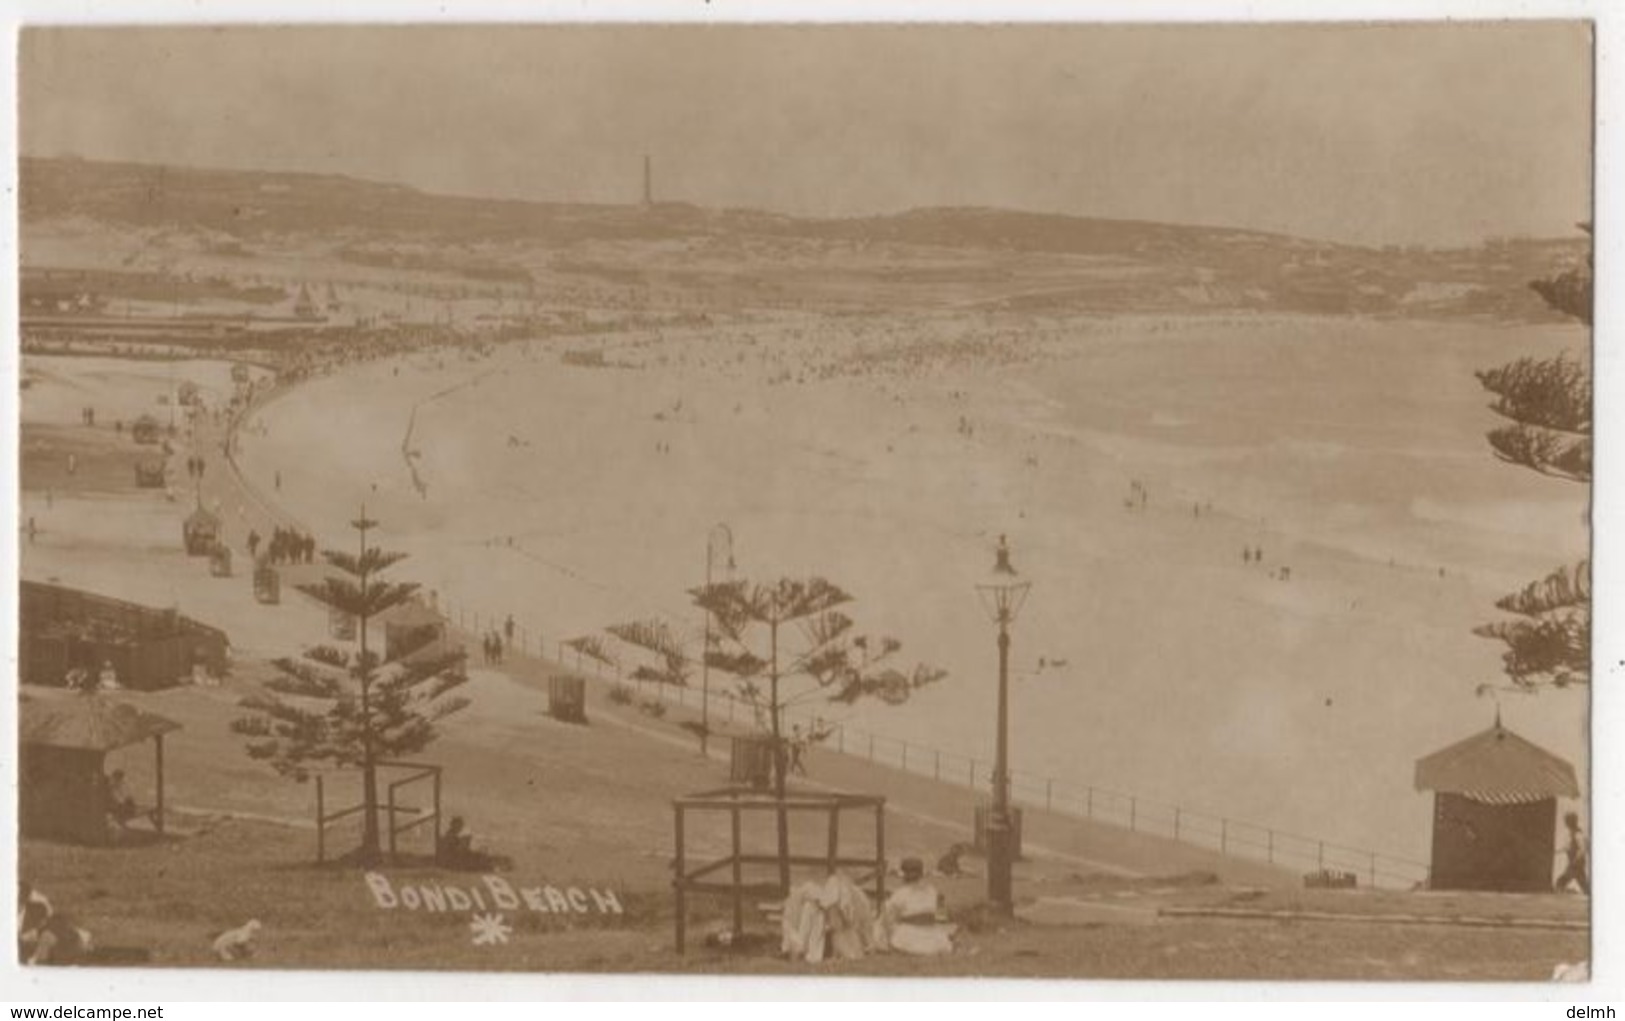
[65,740]
[146,430]
[750,761]
[1494,811]
[267,584]
[149,473]
[200,532]
[220,560]
[567,698]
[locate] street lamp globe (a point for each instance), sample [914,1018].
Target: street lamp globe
[1003,592]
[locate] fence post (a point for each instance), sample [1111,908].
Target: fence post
[321,823]
[1133,812]
[1176,822]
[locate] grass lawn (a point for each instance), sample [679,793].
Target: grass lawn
[170,898]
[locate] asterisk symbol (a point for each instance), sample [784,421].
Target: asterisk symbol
[489,929]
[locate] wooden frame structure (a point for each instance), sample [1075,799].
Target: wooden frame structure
[737,802]
[416,816]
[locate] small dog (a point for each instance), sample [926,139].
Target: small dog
[236,944]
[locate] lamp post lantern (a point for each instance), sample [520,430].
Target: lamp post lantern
[719,542]
[1002,595]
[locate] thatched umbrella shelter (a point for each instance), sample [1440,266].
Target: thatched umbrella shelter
[65,741]
[149,473]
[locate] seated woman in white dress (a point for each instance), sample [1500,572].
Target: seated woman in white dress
[910,922]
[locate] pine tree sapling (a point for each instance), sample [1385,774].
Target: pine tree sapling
[354,708]
[788,643]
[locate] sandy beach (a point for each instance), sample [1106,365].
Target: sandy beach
[888,453]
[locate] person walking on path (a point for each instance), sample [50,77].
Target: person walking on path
[1578,851]
[507,628]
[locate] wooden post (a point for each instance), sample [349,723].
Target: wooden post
[321,823]
[437,813]
[158,809]
[1133,812]
[834,835]
[738,891]
[880,854]
[678,878]
[1176,822]
[1271,845]
[392,822]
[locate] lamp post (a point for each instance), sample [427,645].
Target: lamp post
[718,541]
[1002,595]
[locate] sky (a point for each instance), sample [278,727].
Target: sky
[1430,133]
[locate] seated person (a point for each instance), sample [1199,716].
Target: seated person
[121,807]
[456,843]
[911,921]
[45,936]
[456,850]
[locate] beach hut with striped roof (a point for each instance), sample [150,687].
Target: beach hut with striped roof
[1495,811]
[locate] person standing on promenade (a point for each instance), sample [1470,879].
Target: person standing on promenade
[1578,851]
